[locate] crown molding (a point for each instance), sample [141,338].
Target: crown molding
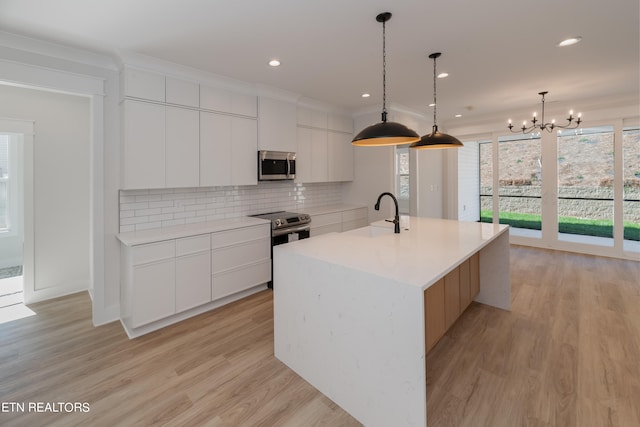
[57,51]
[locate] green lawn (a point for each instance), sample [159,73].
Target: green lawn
[586,227]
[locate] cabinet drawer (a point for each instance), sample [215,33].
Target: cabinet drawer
[352,225]
[223,259]
[152,252]
[192,245]
[240,235]
[233,281]
[317,231]
[326,219]
[354,214]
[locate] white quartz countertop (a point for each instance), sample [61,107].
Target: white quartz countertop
[175,232]
[321,210]
[419,256]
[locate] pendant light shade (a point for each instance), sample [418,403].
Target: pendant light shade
[436,139]
[385,133]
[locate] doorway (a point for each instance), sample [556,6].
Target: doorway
[16,204]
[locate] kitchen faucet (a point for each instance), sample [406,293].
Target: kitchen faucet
[396,219]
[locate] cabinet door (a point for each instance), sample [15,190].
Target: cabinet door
[215,149]
[340,157]
[451,297]
[434,318]
[276,125]
[465,285]
[193,281]
[143,84]
[319,167]
[303,155]
[182,148]
[244,149]
[474,274]
[143,145]
[182,92]
[153,292]
[340,123]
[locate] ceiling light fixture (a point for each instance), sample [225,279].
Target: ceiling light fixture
[385,133]
[540,124]
[443,75]
[366,95]
[274,63]
[436,139]
[570,41]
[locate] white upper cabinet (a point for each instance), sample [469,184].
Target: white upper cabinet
[143,145]
[276,125]
[143,84]
[312,118]
[244,151]
[325,153]
[225,101]
[340,123]
[340,155]
[182,147]
[228,150]
[215,149]
[182,92]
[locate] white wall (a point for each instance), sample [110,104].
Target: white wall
[61,184]
[469,182]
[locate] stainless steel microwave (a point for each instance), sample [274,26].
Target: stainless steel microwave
[276,165]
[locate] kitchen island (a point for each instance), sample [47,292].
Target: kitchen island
[349,308]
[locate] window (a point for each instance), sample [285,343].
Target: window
[402,168]
[486,182]
[585,182]
[520,181]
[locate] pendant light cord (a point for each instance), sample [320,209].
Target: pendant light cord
[384,72]
[435,103]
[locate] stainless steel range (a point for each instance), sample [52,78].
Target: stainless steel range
[286,227]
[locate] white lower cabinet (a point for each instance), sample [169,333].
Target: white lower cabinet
[153,293]
[355,218]
[338,221]
[193,272]
[166,281]
[239,261]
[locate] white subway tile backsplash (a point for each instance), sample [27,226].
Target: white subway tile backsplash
[146,209]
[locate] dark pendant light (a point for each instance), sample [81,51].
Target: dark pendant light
[436,139]
[385,133]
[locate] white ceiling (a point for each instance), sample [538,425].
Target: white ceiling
[499,53]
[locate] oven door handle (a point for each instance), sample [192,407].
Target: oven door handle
[290,230]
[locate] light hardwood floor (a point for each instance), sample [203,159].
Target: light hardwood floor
[568,354]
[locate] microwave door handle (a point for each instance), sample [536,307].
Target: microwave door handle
[288,166]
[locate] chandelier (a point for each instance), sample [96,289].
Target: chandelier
[572,122]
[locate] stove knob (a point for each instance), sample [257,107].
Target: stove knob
[278,222]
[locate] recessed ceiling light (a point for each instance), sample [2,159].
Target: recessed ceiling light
[443,75]
[365,95]
[274,63]
[570,41]
[458,115]
[432,105]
